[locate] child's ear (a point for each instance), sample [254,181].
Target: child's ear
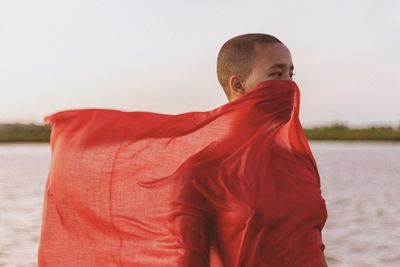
[236,84]
[238,87]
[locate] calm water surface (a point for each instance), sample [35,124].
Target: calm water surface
[360,182]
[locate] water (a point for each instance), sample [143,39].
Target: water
[23,169]
[360,182]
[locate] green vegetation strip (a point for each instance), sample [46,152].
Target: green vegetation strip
[19,132]
[343,133]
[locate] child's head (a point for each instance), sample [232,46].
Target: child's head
[246,60]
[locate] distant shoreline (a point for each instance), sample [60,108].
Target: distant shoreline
[341,132]
[39,133]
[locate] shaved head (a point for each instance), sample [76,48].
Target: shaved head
[237,55]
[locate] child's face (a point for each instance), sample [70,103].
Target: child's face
[273,62]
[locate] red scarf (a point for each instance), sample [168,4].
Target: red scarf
[234,186]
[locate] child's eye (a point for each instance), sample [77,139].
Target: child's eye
[277,74]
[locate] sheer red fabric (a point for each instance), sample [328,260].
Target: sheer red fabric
[234,186]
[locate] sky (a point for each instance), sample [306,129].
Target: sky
[160,56]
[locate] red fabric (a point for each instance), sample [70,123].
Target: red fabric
[233,186]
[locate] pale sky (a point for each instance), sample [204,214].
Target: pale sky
[160,56]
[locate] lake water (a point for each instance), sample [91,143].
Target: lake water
[360,182]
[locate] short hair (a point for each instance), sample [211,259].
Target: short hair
[236,56]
